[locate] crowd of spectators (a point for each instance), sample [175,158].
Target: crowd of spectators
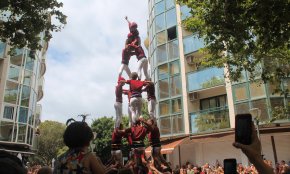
[217,168]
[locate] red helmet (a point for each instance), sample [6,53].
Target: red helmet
[132,25]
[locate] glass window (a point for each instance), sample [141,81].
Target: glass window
[185,12]
[163,89]
[159,7]
[240,92]
[16,59]
[23,114]
[185,32]
[191,44]
[222,101]
[21,133]
[161,37]
[25,96]
[262,105]
[8,112]
[6,130]
[159,23]
[29,63]
[173,50]
[176,105]
[205,78]
[276,102]
[30,117]
[161,54]
[171,33]
[165,127]
[11,92]
[27,78]
[177,124]
[164,108]
[272,90]
[242,108]
[29,135]
[169,4]
[2,49]
[174,68]
[171,18]
[212,103]
[257,90]
[163,71]
[13,73]
[175,85]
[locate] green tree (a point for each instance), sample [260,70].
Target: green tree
[50,141]
[252,32]
[21,21]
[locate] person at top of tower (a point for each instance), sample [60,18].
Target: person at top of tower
[139,52]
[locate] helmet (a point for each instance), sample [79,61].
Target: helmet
[133,24]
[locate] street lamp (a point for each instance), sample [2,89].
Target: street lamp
[256,114]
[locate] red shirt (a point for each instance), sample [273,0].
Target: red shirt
[135,87]
[117,137]
[138,133]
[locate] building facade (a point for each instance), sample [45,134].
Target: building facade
[21,88]
[199,102]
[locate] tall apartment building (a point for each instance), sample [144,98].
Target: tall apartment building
[21,87]
[196,105]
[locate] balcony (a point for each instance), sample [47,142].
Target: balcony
[42,67]
[211,120]
[40,89]
[207,78]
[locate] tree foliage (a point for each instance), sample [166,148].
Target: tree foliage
[21,21]
[50,141]
[252,32]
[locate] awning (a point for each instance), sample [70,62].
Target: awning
[166,148]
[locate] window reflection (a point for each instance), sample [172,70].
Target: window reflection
[191,44]
[171,18]
[8,112]
[161,54]
[262,105]
[161,38]
[240,92]
[163,71]
[175,86]
[21,133]
[185,12]
[159,7]
[11,92]
[27,78]
[163,89]
[177,124]
[164,108]
[13,73]
[16,59]
[159,23]
[165,127]
[206,78]
[25,96]
[6,131]
[176,105]
[2,49]
[29,63]
[174,68]
[169,4]
[173,50]
[257,90]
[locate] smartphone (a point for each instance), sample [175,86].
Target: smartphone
[230,166]
[243,129]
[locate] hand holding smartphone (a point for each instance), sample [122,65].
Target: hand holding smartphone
[243,129]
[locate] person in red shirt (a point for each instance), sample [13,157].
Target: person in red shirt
[154,139]
[119,102]
[116,144]
[150,89]
[139,52]
[136,95]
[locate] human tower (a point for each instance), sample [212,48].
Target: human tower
[138,127]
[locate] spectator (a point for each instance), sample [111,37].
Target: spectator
[10,164]
[45,170]
[78,158]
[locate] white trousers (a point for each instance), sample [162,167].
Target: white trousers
[143,64]
[126,68]
[152,108]
[119,114]
[136,106]
[130,115]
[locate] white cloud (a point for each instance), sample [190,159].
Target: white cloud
[83,60]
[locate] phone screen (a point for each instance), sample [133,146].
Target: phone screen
[243,130]
[230,166]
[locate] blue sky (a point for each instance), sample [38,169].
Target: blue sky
[84,58]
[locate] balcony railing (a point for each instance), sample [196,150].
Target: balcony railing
[206,78]
[210,120]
